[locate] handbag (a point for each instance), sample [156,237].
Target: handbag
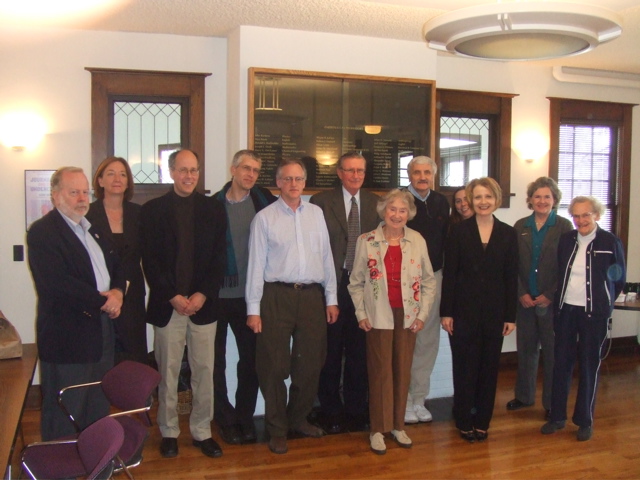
[10,342]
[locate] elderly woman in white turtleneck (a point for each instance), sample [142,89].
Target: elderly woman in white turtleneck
[591,275]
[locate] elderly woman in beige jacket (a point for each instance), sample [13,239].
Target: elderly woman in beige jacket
[392,287]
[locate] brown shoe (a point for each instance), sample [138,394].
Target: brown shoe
[278,445]
[307,430]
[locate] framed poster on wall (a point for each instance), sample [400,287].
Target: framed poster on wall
[319,116]
[37,195]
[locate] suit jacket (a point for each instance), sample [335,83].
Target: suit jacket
[480,286]
[68,320]
[160,249]
[547,271]
[130,325]
[332,204]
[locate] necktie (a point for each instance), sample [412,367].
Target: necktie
[353,230]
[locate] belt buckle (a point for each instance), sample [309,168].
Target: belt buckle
[298,286]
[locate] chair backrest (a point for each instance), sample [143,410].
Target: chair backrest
[98,444]
[129,384]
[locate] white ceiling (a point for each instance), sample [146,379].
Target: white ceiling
[396,19]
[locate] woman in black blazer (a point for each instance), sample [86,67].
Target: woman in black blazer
[478,307]
[119,221]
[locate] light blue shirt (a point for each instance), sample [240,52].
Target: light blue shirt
[289,246]
[100,270]
[417,195]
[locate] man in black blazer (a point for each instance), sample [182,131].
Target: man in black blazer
[183,257]
[344,336]
[80,289]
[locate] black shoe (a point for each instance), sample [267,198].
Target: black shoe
[333,424]
[547,414]
[359,423]
[481,436]
[169,447]
[231,434]
[209,447]
[248,433]
[584,434]
[468,436]
[516,404]
[552,427]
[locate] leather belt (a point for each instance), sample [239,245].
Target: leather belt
[298,286]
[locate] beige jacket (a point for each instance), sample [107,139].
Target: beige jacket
[368,283]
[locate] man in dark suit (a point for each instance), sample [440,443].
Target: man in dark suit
[183,257]
[80,289]
[344,337]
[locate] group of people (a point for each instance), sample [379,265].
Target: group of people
[343,294]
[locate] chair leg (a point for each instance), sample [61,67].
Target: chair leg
[124,467]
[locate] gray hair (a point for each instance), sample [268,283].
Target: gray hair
[422,160]
[352,154]
[396,194]
[291,161]
[544,182]
[56,178]
[237,158]
[596,205]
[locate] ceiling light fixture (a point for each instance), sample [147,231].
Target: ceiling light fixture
[523,30]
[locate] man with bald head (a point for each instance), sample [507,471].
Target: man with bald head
[183,257]
[80,289]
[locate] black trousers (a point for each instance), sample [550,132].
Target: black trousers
[233,312]
[475,355]
[577,335]
[345,340]
[85,404]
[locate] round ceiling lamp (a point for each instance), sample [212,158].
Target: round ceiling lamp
[523,30]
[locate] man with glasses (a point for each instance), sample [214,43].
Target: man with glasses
[348,212]
[291,293]
[432,221]
[183,257]
[242,200]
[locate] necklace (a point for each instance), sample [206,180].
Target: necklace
[393,239]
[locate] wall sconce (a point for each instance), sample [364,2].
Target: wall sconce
[531,145]
[22,130]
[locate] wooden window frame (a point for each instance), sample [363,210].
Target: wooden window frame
[146,85]
[589,112]
[497,106]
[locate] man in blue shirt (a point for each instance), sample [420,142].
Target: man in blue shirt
[291,292]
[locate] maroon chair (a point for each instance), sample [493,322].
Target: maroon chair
[128,387]
[91,455]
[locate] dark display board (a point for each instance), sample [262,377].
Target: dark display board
[317,117]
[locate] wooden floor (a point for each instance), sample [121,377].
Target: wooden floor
[515,448]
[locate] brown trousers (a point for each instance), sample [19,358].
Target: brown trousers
[289,314]
[389,356]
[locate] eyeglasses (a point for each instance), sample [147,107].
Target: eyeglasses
[249,169]
[583,216]
[184,171]
[353,171]
[293,179]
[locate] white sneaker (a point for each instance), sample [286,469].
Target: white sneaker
[410,415]
[377,443]
[401,437]
[422,414]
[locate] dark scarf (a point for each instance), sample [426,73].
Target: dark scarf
[259,202]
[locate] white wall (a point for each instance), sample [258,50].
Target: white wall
[44,70]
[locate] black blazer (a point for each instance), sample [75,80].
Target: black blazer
[68,320]
[332,204]
[130,326]
[480,286]
[160,249]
